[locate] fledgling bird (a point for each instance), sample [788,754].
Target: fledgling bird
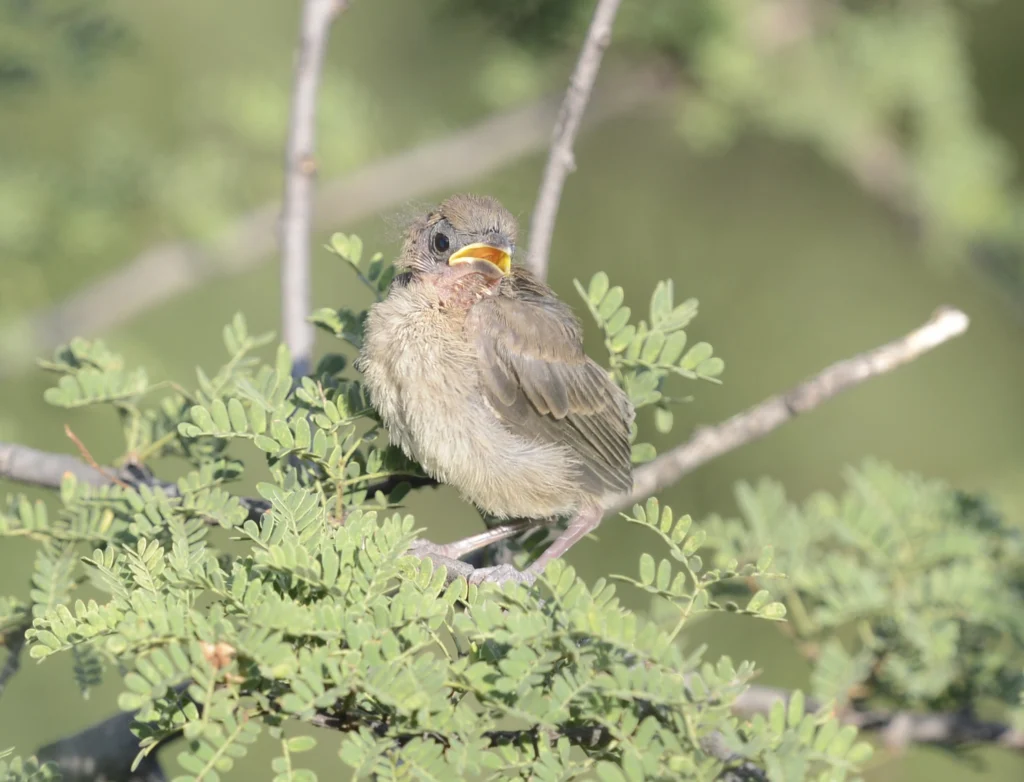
[478,372]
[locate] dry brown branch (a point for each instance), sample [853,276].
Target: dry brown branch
[300,169]
[560,157]
[711,442]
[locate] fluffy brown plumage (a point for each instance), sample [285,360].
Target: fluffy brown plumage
[478,372]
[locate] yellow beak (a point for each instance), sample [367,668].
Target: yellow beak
[499,256]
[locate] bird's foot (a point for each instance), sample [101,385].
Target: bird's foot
[501,574]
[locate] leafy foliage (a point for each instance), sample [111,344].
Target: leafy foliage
[228,617]
[314,610]
[17,769]
[902,591]
[643,357]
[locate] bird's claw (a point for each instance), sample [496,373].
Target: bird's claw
[501,574]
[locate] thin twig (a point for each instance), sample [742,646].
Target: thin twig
[88,457]
[711,442]
[300,168]
[560,159]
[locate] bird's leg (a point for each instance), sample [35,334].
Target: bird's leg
[461,548]
[582,524]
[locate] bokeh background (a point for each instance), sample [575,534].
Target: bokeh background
[821,175]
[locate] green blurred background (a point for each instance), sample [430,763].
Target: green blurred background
[128,124]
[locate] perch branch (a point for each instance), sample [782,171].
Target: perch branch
[300,169]
[560,158]
[711,442]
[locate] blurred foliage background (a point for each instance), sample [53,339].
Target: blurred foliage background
[821,174]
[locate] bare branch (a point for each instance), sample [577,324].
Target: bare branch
[711,442]
[300,168]
[44,469]
[560,158]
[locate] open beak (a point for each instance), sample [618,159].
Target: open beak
[498,256]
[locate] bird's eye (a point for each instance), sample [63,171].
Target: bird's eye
[441,242]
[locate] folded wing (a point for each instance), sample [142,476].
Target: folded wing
[543,387]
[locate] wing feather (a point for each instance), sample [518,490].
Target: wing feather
[543,387]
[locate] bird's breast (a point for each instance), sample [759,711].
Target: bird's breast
[421,371]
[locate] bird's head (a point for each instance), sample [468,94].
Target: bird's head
[466,234]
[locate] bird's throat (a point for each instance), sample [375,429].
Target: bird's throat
[462,291]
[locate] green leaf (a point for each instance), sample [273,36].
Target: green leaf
[711,367]
[611,303]
[301,743]
[617,322]
[663,420]
[598,288]
[642,453]
[647,568]
[795,709]
[609,772]
[239,421]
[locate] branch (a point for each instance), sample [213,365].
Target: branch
[44,469]
[300,167]
[560,158]
[711,442]
[896,729]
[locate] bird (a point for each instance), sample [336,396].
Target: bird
[477,371]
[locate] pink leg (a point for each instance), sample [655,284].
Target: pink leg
[585,522]
[461,548]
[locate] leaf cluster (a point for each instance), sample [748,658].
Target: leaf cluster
[902,591]
[644,357]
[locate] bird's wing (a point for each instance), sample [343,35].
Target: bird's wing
[543,387]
